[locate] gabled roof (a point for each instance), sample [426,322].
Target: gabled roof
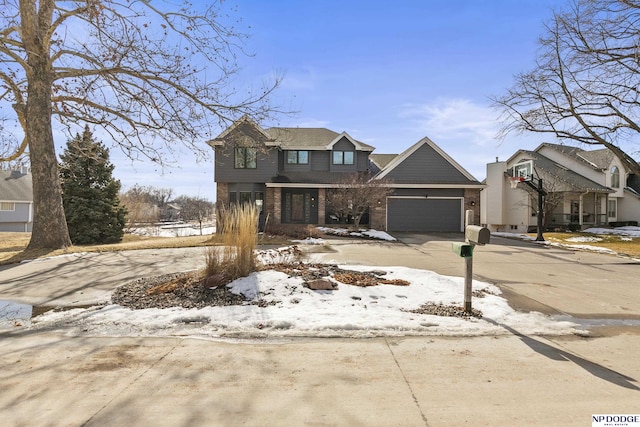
[287,138]
[597,159]
[380,161]
[243,125]
[311,139]
[398,160]
[573,180]
[15,187]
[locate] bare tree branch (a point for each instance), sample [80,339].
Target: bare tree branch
[585,87]
[152,74]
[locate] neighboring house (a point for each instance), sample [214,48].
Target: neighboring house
[585,189]
[288,172]
[16,200]
[170,212]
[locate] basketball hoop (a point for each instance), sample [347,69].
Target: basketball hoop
[515,180]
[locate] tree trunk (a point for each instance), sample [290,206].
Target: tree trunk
[49,223]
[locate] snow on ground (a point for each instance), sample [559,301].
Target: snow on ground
[174,230]
[290,309]
[625,233]
[628,231]
[373,234]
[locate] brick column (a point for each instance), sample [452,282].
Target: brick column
[222,193]
[378,216]
[274,204]
[472,196]
[322,195]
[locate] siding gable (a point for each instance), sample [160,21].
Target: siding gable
[426,163]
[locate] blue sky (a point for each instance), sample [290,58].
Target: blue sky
[387,72]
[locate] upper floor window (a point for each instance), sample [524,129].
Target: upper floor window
[7,206]
[297,157]
[343,157]
[615,177]
[245,158]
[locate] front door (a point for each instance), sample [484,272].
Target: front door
[297,207]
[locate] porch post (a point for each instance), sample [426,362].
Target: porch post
[580,211]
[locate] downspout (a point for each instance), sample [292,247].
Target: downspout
[29,219]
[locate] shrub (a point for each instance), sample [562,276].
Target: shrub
[238,226]
[294,231]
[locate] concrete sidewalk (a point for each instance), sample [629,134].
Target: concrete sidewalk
[53,380]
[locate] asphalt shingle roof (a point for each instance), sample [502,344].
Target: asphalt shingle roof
[312,138]
[14,186]
[574,180]
[380,161]
[599,158]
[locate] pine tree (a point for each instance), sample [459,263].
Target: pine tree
[90,193]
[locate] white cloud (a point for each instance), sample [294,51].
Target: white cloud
[305,78]
[454,119]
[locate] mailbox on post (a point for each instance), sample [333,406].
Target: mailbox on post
[474,235]
[477,235]
[463,250]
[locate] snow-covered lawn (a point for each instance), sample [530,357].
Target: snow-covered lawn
[174,230]
[287,308]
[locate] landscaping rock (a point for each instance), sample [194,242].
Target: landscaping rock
[321,285]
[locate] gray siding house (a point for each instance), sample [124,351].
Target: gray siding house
[288,172]
[16,201]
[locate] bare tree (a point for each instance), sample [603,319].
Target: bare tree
[355,194]
[149,73]
[195,209]
[140,207]
[585,87]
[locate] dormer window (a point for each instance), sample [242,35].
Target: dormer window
[343,157]
[297,157]
[615,177]
[245,158]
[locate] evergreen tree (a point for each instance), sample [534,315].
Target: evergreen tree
[90,193]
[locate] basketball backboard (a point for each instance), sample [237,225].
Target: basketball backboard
[524,170]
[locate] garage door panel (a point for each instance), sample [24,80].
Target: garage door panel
[412,214]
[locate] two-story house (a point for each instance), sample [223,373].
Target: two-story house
[288,172]
[16,200]
[585,189]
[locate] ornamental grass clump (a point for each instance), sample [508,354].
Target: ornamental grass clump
[238,226]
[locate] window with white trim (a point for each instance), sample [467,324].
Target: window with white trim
[615,177]
[7,206]
[612,208]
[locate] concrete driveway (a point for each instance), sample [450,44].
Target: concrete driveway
[50,379]
[536,277]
